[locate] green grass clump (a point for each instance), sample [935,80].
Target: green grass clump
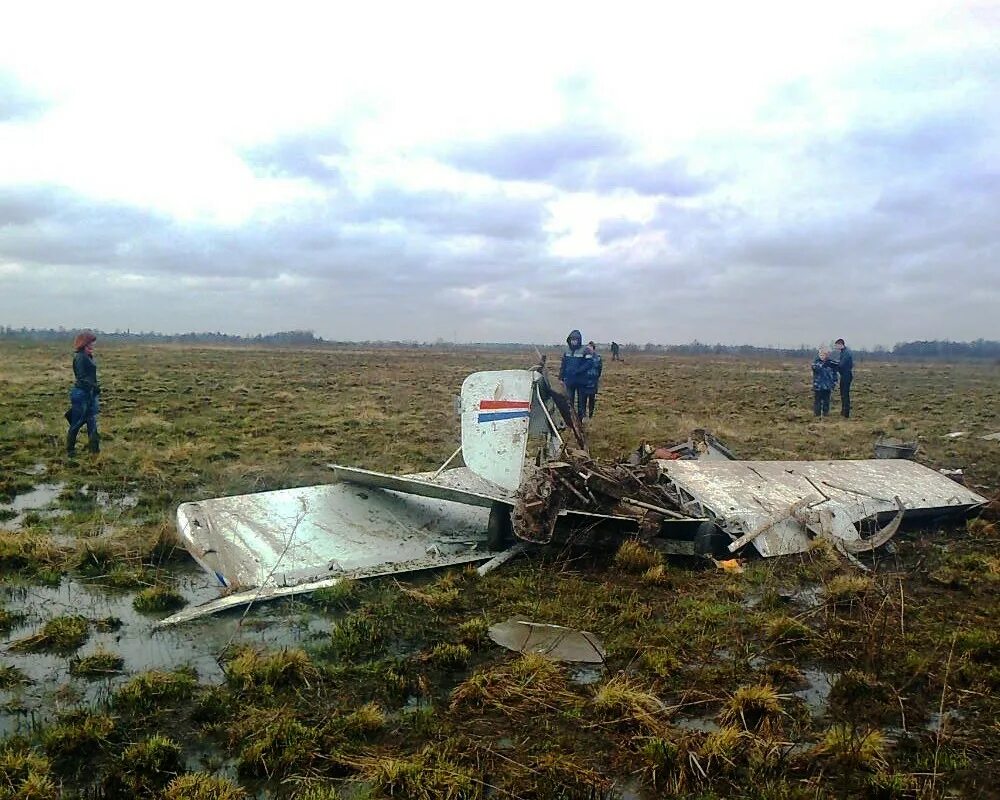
[317,791]
[158,598]
[756,708]
[9,620]
[423,776]
[154,691]
[355,635]
[787,632]
[98,664]
[449,656]
[25,774]
[275,743]
[27,553]
[855,748]
[59,635]
[78,735]
[845,590]
[635,558]
[11,676]
[148,766]
[202,786]
[251,669]
[473,632]
[342,594]
[622,699]
[364,721]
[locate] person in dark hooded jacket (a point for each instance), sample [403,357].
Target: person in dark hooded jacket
[824,379]
[83,397]
[574,371]
[593,379]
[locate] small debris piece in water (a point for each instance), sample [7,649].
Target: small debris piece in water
[553,642]
[991,437]
[954,434]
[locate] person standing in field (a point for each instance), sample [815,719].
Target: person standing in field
[574,370]
[593,379]
[824,379]
[83,397]
[615,351]
[845,367]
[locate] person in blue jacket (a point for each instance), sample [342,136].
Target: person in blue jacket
[83,397]
[824,379]
[845,366]
[593,379]
[574,371]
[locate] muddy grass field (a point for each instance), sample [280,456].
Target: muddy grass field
[797,678]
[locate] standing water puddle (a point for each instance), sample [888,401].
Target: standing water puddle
[817,691]
[195,644]
[38,498]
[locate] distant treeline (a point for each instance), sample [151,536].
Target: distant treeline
[937,350]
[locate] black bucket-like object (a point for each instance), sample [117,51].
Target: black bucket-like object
[893,448]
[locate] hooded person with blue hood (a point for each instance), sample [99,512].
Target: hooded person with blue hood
[574,371]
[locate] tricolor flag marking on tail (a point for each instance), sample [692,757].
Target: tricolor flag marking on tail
[497,410]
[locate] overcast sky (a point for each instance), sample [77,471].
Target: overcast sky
[764,173]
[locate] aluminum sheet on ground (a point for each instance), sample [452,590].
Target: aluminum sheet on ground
[294,536]
[460,484]
[746,494]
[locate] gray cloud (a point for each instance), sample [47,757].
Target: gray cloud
[299,156]
[16,101]
[538,155]
[577,158]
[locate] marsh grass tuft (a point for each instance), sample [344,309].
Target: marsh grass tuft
[449,656]
[98,664]
[424,776]
[252,670]
[844,591]
[154,691]
[474,632]
[25,774]
[59,635]
[11,676]
[10,619]
[656,576]
[202,786]
[157,599]
[521,686]
[276,743]
[635,558]
[147,766]
[365,721]
[756,708]
[787,632]
[621,699]
[852,747]
[343,594]
[78,735]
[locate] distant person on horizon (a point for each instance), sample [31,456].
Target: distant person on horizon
[83,397]
[593,379]
[824,379]
[615,352]
[845,367]
[574,370]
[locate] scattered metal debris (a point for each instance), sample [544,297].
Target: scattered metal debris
[895,448]
[991,437]
[692,498]
[553,642]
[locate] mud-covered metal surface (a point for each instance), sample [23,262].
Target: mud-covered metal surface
[744,496]
[297,536]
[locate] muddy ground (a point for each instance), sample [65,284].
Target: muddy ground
[798,677]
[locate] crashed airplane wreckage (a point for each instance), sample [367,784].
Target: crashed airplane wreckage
[694,498]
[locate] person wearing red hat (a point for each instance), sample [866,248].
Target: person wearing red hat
[83,397]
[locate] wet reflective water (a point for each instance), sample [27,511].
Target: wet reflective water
[197,644]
